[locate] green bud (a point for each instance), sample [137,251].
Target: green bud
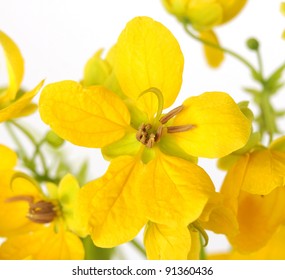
[53,139]
[252,44]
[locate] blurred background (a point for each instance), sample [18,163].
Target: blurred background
[57,38]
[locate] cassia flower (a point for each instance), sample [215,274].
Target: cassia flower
[37,224]
[254,191]
[13,102]
[204,16]
[153,176]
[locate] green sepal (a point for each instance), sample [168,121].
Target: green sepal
[170,147]
[278,144]
[128,145]
[93,252]
[273,83]
[243,105]
[225,163]
[96,70]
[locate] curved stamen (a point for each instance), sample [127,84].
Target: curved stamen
[160,101]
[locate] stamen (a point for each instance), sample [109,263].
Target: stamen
[171,114]
[26,198]
[180,128]
[39,212]
[158,133]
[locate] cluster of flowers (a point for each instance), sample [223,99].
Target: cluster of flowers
[153,181]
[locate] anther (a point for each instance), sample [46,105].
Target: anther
[171,114]
[41,212]
[180,128]
[158,133]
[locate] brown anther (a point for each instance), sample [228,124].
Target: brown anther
[41,212]
[158,133]
[180,128]
[150,141]
[171,114]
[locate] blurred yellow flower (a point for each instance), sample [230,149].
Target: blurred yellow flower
[255,194]
[153,174]
[204,16]
[13,102]
[37,224]
[273,250]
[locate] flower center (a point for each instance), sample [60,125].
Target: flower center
[148,136]
[41,212]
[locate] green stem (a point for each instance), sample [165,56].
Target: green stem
[34,142]
[203,255]
[37,148]
[228,51]
[267,114]
[138,246]
[15,139]
[260,64]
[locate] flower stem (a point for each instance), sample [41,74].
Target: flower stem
[138,247]
[34,142]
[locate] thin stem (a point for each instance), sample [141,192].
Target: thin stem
[260,64]
[228,51]
[37,148]
[138,246]
[15,139]
[32,139]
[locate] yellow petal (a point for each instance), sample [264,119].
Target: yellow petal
[231,8]
[148,55]
[43,244]
[68,194]
[90,117]
[194,253]
[218,217]
[219,127]
[8,158]
[174,191]
[265,170]
[19,107]
[213,55]
[258,218]
[13,218]
[15,64]
[166,243]
[112,204]
[204,15]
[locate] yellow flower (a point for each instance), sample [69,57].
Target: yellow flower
[274,250]
[254,192]
[152,176]
[204,16]
[13,103]
[37,224]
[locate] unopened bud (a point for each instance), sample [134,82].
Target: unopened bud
[252,44]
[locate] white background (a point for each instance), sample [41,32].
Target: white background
[57,37]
